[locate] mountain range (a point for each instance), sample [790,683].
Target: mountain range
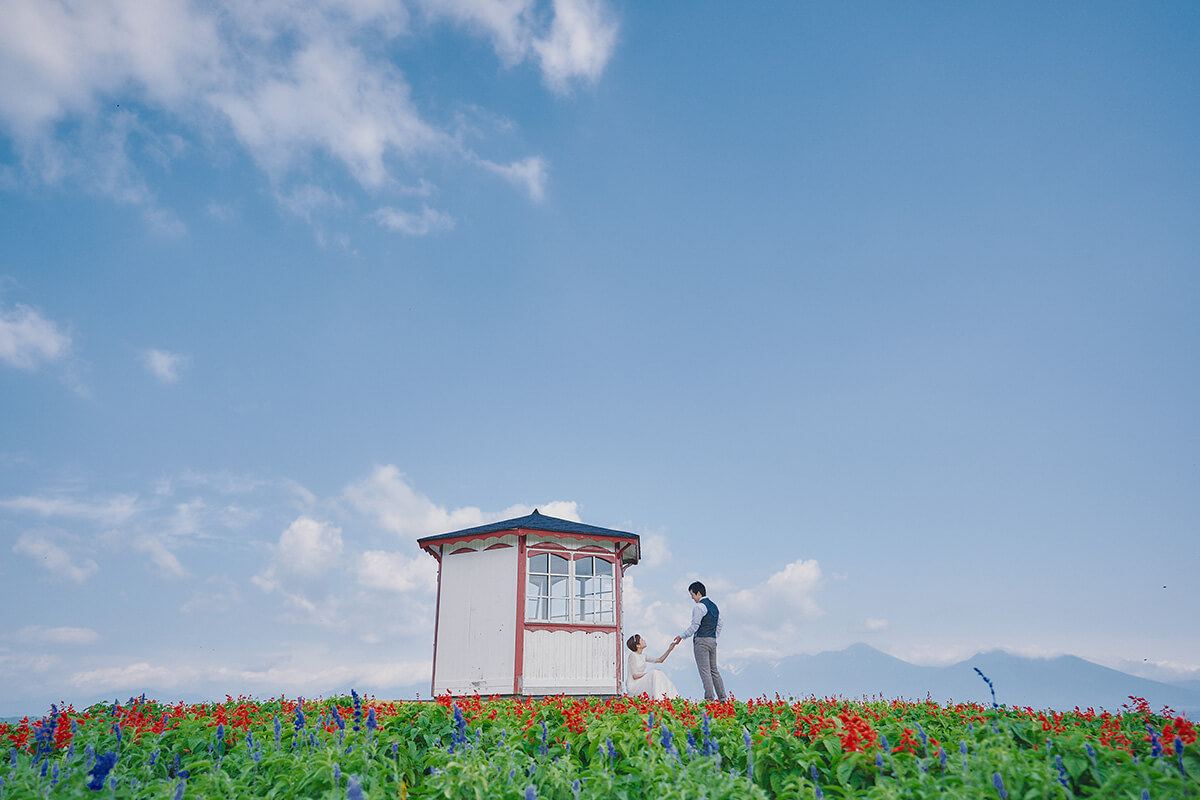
[1060,683]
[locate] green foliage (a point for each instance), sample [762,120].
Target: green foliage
[626,748]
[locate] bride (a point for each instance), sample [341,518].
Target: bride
[639,680]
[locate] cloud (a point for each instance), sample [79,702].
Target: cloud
[307,551]
[396,572]
[528,174]
[579,44]
[160,555]
[96,91]
[164,365]
[53,558]
[410,224]
[219,211]
[771,614]
[875,624]
[310,677]
[788,591]
[62,58]
[329,98]
[309,547]
[110,511]
[655,551]
[27,339]
[387,497]
[40,635]
[572,43]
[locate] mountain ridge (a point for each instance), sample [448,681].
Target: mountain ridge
[859,670]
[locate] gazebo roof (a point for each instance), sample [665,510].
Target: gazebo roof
[537,522]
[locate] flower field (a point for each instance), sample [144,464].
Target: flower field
[565,748]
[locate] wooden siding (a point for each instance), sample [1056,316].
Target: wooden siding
[573,662]
[477,629]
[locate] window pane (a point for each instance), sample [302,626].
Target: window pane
[606,586]
[583,566]
[601,567]
[559,565]
[538,608]
[585,587]
[539,585]
[606,616]
[559,586]
[537,563]
[558,610]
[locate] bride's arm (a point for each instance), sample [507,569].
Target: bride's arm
[663,657]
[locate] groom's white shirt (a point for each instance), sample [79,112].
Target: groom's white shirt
[698,614]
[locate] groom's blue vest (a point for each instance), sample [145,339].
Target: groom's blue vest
[708,624]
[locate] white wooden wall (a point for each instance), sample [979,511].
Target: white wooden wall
[570,662]
[476,639]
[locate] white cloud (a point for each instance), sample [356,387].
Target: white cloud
[309,678]
[53,558]
[166,561]
[291,82]
[655,551]
[579,44]
[875,624]
[657,621]
[19,666]
[329,98]
[308,550]
[163,364]
[396,572]
[308,200]
[65,635]
[111,511]
[61,58]
[427,221]
[528,174]
[28,339]
[784,593]
[576,46]
[309,547]
[397,507]
[219,211]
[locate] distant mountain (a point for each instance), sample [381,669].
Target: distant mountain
[1060,683]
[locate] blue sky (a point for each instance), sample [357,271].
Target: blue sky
[879,319]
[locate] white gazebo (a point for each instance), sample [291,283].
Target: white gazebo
[529,606]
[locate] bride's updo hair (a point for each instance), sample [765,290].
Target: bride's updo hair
[633,641]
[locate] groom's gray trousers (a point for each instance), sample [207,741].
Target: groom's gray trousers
[705,648]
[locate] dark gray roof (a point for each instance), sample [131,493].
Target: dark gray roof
[536,522]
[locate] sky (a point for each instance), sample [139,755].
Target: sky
[880,319]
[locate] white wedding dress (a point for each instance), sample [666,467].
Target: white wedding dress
[654,682]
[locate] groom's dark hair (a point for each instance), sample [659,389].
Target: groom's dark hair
[633,640]
[698,588]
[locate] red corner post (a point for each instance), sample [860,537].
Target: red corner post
[519,659]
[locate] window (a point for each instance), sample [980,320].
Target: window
[570,591]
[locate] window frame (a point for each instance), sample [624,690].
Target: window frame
[573,599]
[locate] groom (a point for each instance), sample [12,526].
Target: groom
[706,626]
